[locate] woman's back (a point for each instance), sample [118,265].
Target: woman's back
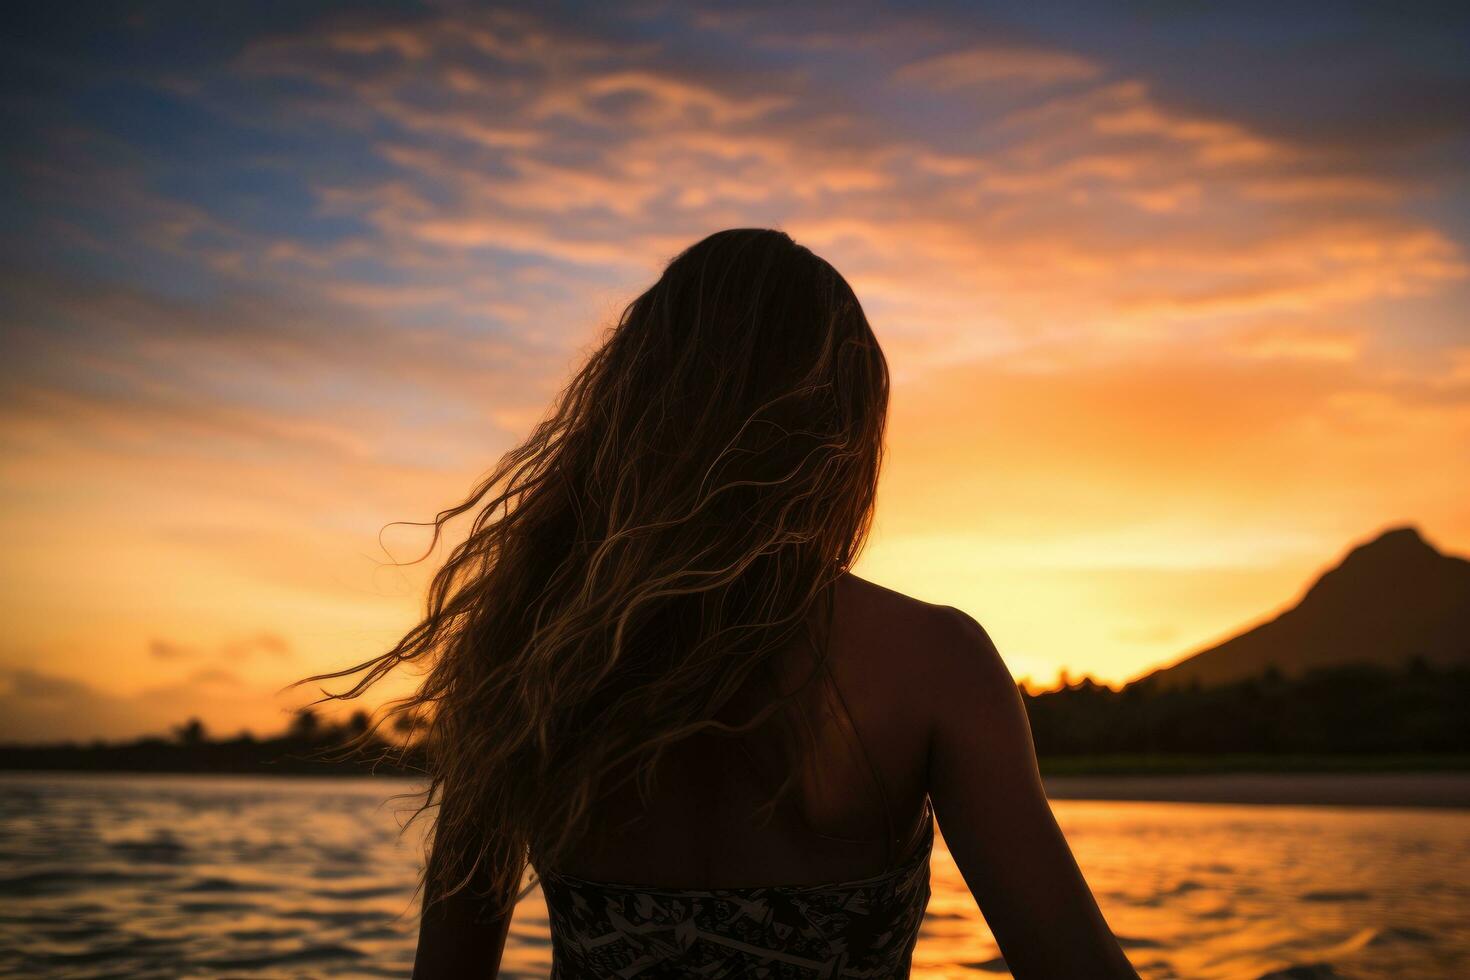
[832,882]
[698,828]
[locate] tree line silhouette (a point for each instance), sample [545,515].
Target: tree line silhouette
[1415,713]
[309,745]
[1349,709]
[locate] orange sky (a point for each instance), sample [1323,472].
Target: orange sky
[1156,363]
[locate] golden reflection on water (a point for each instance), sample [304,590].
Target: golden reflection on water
[170,876]
[1209,890]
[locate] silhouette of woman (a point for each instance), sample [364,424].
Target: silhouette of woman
[650,675]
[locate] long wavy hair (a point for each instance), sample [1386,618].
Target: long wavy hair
[676,521]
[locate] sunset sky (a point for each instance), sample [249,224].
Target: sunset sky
[1176,302]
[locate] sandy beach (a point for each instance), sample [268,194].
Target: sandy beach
[1425,789]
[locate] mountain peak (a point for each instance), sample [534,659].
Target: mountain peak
[1405,538]
[1391,599]
[1395,557]
[1397,548]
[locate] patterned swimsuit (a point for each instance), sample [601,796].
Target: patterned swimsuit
[856,929]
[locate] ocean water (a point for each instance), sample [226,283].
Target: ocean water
[114,876]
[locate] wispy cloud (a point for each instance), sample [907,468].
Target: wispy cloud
[233,651]
[997,65]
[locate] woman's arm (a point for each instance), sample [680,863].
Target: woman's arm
[994,815]
[459,936]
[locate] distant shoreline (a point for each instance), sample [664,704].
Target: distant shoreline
[1450,790]
[1447,788]
[1197,764]
[1413,780]
[280,758]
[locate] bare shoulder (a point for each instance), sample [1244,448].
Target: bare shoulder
[891,602]
[884,617]
[940,647]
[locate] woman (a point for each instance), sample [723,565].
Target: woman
[650,674]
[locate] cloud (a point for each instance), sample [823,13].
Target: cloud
[267,644]
[165,650]
[214,677]
[988,65]
[1297,342]
[236,650]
